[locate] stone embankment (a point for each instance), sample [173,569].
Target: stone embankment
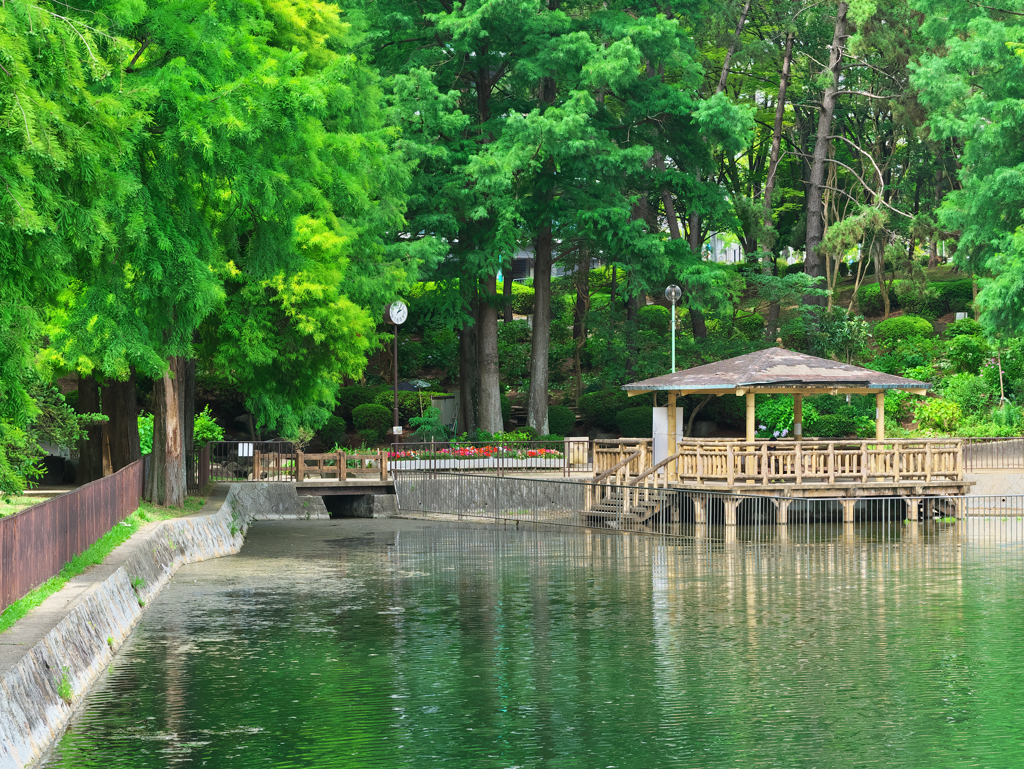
[65,644]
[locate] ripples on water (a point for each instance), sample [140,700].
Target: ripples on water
[484,647]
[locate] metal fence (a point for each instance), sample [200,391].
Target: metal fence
[563,457]
[197,469]
[37,542]
[236,460]
[993,454]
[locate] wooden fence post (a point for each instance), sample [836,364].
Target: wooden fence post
[299,466]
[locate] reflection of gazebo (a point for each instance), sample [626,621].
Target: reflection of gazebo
[776,371]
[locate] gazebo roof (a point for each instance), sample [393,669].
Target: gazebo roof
[776,370]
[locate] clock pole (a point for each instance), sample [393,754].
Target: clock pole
[395,421]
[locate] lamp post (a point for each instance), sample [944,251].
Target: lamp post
[672,293]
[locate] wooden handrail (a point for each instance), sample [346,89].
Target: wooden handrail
[617,467]
[654,469]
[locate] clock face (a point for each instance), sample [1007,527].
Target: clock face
[399,313]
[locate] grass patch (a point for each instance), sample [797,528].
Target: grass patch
[121,533]
[12,505]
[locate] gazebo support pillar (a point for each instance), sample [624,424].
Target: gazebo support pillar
[751,421]
[798,416]
[673,435]
[880,416]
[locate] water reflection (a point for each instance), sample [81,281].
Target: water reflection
[356,644]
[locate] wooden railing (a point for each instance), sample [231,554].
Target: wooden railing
[771,462]
[333,466]
[609,459]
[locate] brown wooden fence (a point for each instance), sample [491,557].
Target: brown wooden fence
[37,542]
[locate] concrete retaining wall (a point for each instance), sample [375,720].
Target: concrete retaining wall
[79,629]
[486,495]
[996,483]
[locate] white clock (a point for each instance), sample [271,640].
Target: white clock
[396,313]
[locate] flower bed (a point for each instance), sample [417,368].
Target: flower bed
[457,453]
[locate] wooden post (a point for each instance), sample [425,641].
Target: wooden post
[912,504]
[782,512]
[880,416]
[798,416]
[299,466]
[256,464]
[848,505]
[730,470]
[342,463]
[764,464]
[673,443]
[751,432]
[700,509]
[730,510]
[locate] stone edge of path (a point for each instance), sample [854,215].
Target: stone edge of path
[71,628]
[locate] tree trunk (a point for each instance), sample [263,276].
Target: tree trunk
[489,395]
[933,252]
[506,292]
[732,48]
[697,323]
[122,426]
[770,236]
[537,405]
[878,254]
[167,468]
[611,301]
[90,448]
[813,263]
[467,375]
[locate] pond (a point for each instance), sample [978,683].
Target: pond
[420,644]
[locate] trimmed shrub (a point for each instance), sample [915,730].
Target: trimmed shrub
[891,332]
[528,431]
[550,437]
[561,420]
[350,397]
[654,317]
[939,299]
[599,409]
[794,269]
[636,422]
[333,433]
[372,421]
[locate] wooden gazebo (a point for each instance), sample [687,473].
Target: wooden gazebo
[777,371]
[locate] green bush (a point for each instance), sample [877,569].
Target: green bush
[774,415]
[968,391]
[561,419]
[899,404]
[656,318]
[506,408]
[795,269]
[514,351]
[333,433]
[832,426]
[939,299]
[965,327]
[636,422]
[409,403]
[599,409]
[372,421]
[550,437]
[968,353]
[938,413]
[522,298]
[749,327]
[350,397]
[442,348]
[891,332]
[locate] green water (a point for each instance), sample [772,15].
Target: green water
[399,644]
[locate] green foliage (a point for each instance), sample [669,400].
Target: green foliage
[514,351]
[654,317]
[145,433]
[428,427]
[840,335]
[636,422]
[774,415]
[839,425]
[968,353]
[600,409]
[937,300]
[750,327]
[205,428]
[442,351]
[410,404]
[938,414]
[506,408]
[371,421]
[893,331]
[963,327]
[969,392]
[522,298]
[334,431]
[561,420]
[899,404]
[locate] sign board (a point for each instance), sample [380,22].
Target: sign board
[660,431]
[397,430]
[245,449]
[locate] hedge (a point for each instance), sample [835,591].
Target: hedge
[940,299]
[599,409]
[890,332]
[561,420]
[350,397]
[333,433]
[409,403]
[522,298]
[636,422]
